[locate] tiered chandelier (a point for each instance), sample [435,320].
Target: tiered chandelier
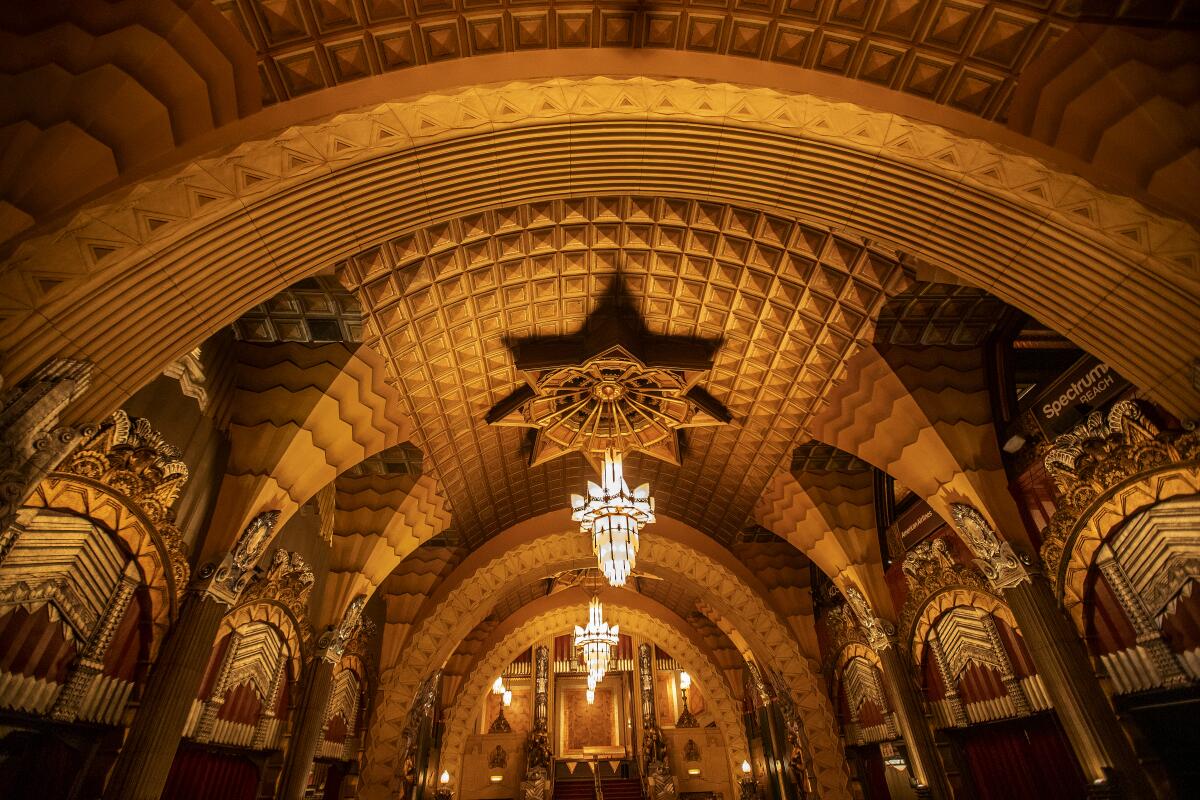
[595,644]
[614,515]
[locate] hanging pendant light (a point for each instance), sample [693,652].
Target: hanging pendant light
[594,644]
[614,515]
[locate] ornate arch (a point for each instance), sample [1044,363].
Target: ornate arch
[432,642]
[277,616]
[163,568]
[726,710]
[947,599]
[1107,470]
[225,206]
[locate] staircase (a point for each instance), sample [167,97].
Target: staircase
[575,789]
[621,788]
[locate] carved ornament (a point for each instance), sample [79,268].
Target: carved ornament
[1099,454]
[288,581]
[994,557]
[235,572]
[334,643]
[930,568]
[498,758]
[879,633]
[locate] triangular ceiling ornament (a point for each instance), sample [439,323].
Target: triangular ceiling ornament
[612,385]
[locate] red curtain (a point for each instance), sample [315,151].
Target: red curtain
[207,775]
[1022,759]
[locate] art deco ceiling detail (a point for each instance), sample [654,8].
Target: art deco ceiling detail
[966,55]
[613,385]
[790,302]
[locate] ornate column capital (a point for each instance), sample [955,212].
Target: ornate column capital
[994,557]
[226,582]
[880,633]
[332,643]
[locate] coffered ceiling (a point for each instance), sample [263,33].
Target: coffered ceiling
[787,301]
[964,54]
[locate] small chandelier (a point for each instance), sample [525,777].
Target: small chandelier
[613,515]
[595,643]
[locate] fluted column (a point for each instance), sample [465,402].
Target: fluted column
[90,662]
[923,758]
[1100,745]
[141,770]
[308,729]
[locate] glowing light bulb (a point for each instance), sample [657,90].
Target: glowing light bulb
[498,686]
[685,681]
[591,696]
[745,767]
[507,697]
[445,777]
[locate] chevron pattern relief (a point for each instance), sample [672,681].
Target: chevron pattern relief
[925,420]
[83,499]
[667,138]
[259,615]
[169,72]
[379,520]
[943,603]
[831,526]
[300,416]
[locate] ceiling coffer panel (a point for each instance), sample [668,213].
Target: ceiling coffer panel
[788,303]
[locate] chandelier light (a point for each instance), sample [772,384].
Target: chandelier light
[614,515]
[595,643]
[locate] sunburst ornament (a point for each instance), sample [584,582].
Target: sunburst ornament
[614,516]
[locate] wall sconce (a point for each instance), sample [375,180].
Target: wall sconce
[693,771]
[496,778]
[686,718]
[443,791]
[745,767]
[749,786]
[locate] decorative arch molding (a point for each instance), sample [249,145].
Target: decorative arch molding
[277,616]
[1107,470]
[459,611]
[726,711]
[1105,515]
[163,580]
[948,599]
[730,142]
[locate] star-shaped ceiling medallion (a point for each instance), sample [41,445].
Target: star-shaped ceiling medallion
[612,385]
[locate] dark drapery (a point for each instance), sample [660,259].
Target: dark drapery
[201,774]
[1022,759]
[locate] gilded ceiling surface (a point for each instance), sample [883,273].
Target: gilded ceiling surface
[788,302]
[964,54]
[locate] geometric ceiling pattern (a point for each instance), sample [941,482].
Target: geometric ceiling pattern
[316,309]
[789,303]
[963,54]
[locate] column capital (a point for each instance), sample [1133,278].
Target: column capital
[880,633]
[226,581]
[332,644]
[995,557]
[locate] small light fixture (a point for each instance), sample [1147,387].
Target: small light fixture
[498,686]
[508,697]
[745,767]
[591,696]
[693,770]
[445,777]
[496,778]
[686,718]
